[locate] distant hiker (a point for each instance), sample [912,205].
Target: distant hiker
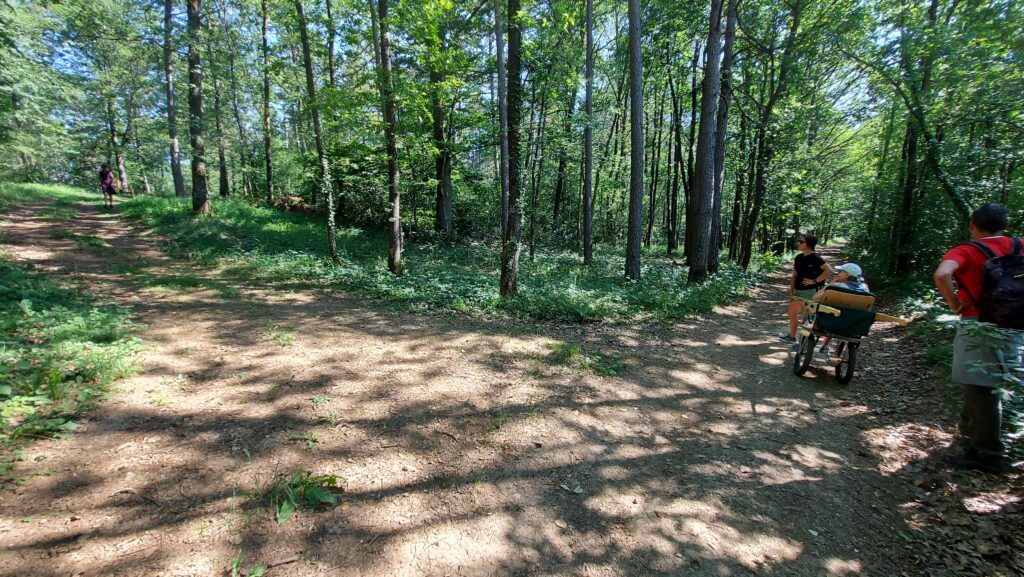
[809,273]
[848,276]
[107,186]
[988,289]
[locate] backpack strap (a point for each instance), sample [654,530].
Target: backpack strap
[988,252]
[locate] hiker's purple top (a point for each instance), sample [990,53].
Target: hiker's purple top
[107,180]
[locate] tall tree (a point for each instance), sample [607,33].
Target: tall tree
[588,142]
[387,95]
[172,113]
[200,196]
[672,230]
[326,189]
[330,43]
[267,149]
[636,158]
[764,139]
[499,45]
[511,246]
[223,187]
[721,134]
[699,218]
[116,147]
[442,155]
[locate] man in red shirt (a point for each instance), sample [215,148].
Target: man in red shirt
[980,362]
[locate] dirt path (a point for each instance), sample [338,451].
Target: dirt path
[463,446]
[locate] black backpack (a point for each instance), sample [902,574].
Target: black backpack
[1002,287]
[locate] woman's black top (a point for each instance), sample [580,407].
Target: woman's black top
[809,267]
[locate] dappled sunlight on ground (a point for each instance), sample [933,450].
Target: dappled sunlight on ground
[464,447]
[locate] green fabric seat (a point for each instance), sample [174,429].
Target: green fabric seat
[851,323]
[857,312]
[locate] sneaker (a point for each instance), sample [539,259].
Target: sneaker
[784,337]
[825,351]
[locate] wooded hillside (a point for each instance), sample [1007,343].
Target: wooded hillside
[715,130]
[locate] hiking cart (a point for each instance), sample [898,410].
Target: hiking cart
[845,316]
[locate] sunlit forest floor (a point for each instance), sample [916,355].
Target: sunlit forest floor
[469,446]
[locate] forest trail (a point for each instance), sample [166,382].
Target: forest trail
[466,447]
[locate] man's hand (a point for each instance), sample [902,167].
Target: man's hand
[944,282]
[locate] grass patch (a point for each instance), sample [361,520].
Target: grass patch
[573,355]
[62,197]
[89,241]
[62,209]
[267,245]
[81,241]
[58,354]
[122,269]
[279,336]
[185,282]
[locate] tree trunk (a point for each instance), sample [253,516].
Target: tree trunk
[538,172]
[670,165]
[243,142]
[702,196]
[677,171]
[563,154]
[880,172]
[737,201]
[330,43]
[690,144]
[325,169]
[442,156]
[636,160]
[763,158]
[223,184]
[588,142]
[499,50]
[387,94]
[610,200]
[132,133]
[904,220]
[511,245]
[115,147]
[652,191]
[267,149]
[200,198]
[721,134]
[172,114]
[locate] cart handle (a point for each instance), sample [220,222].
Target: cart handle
[891,319]
[817,307]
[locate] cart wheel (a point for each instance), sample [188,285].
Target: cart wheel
[804,354]
[847,362]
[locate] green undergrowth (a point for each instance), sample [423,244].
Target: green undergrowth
[574,355]
[61,200]
[268,245]
[59,353]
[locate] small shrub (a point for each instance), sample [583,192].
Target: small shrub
[301,489]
